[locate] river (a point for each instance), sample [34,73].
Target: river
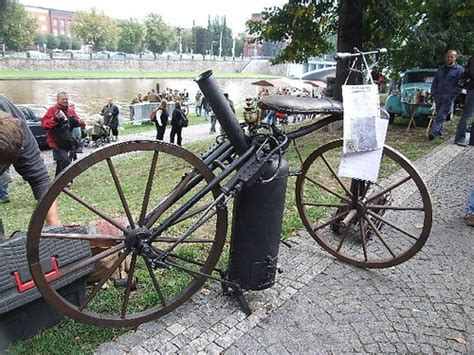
[91,95]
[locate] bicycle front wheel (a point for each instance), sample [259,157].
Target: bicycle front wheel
[125,192]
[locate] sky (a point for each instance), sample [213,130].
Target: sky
[174,12]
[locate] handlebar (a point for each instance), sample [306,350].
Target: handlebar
[347,55]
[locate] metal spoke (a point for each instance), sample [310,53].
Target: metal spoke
[337,205]
[77,236]
[364,238]
[169,200]
[173,240]
[387,222]
[126,297]
[338,217]
[149,184]
[335,176]
[389,188]
[155,282]
[344,236]
[379,235]
[93,209]
[103,280]
[328,190]
[120,192]
[191,213]
[82,264]
[396,208]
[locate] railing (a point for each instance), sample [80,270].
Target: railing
[141,112]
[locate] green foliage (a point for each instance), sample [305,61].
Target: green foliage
[159,36]
[202,40]
[304,26]
[40,39]
[416,32]
[52,42]
[64,42]
[96,29]
[16,28]
[76,44]
[132,36]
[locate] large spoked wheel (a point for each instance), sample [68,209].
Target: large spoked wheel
[126,194]
[366,224]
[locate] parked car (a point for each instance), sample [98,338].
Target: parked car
[33,114]
[413,89]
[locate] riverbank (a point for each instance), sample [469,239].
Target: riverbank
[108,74]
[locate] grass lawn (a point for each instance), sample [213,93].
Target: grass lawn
[72,337]
[54,75]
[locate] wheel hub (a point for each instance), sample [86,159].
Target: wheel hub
[135,237]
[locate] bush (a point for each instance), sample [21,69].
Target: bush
[64,42]
[52,42]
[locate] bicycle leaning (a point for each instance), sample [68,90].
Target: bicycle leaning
[170,218]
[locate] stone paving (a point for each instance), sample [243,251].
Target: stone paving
[322,305]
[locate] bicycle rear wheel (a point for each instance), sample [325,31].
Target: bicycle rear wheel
[384,226]
[112,192]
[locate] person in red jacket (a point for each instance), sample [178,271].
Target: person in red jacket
[61,116]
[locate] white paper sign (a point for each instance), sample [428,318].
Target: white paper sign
[365,165]
[361,105]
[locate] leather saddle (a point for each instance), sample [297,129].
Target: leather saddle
[305,105]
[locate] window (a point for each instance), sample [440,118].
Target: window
[42,18]
[62,24]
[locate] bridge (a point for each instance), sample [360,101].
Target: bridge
[317,68]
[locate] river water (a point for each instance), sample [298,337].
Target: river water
[91,95]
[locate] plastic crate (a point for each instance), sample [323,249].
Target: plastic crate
[23,312]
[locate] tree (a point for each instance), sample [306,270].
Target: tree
[16,28]
[40,39]
[132,36]
[221,36]
[52,42]
[64,42]
[416,32]
[202,40]
[95,29]
[76,44]
[159,35]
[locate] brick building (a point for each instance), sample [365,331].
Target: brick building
[56,22]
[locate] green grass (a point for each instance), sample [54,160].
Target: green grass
[72,337]
[98,74]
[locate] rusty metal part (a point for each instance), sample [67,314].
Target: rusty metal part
[358,239]
[134,236]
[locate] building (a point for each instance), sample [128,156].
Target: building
[252,49]
[41,15]
[56,22]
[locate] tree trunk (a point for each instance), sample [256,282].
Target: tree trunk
[349,36]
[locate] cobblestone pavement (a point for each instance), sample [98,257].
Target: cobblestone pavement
[322,305]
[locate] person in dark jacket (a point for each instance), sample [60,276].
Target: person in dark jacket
[60,114]
[444,90]
[161,120]
[468,84]
[110,112]
[176,127]
[18,147]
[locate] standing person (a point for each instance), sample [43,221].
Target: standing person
[444,89]
[59,120]
[231,103]
[176,123]
[213,122]
[198,99]
[153,96]
[18,147]
[161,119]
[206,107]
[76,132]
[110,112]
[468,84]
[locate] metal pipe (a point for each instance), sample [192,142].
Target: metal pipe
[219,104]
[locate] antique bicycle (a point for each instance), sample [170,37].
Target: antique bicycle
[168,216]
